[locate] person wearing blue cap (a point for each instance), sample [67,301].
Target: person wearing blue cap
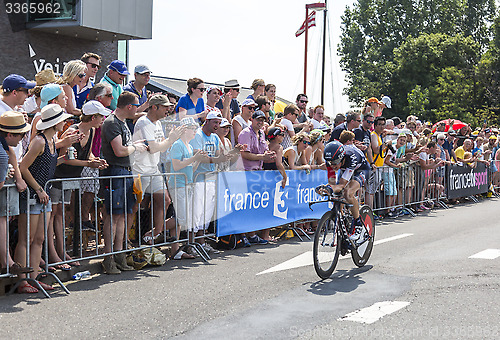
[14,91]
[117,70]
[142,75]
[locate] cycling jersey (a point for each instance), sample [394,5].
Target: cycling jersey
[355,165]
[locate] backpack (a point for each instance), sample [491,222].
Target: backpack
[230,242]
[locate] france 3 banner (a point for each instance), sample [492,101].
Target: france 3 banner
[255,200]
[463,181]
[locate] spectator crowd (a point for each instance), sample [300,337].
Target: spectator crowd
[69,126]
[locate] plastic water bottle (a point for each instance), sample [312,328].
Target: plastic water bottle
[82,275]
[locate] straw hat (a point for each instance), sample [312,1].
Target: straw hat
[13,122]
[52,114]
[45,77]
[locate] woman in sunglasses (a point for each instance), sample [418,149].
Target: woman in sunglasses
[192,103]
[74,73]
[297,156]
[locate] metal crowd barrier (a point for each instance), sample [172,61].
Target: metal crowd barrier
[412,187]
[408,187]
[5,231]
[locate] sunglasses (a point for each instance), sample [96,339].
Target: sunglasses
[202,89]
[370,121]
[82,75]
[304,101]
[136,105]
[110,95]
[358,120]
[306,142]
[237,90]
[251,108]
[94,65]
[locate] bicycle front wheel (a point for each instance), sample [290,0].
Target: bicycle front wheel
[326,246]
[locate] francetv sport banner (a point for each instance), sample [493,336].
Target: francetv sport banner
[463,181]
[254,200]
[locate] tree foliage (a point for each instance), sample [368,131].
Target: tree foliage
[374,32]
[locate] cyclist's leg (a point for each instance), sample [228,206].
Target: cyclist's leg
[350,195]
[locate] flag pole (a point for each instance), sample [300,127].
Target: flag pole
[323,61]
[305,50]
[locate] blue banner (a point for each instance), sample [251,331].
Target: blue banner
[254,200]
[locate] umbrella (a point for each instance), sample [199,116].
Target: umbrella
[457,125]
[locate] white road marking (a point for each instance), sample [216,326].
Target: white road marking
[373,313]
[488,254]
[306,259]
[397,237]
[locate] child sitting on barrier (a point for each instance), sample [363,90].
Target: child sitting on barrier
[181,187]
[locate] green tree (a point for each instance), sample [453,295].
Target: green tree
[418,100]
[373,29]
[429,61]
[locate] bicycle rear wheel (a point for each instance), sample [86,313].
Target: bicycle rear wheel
[326,247]
[361,254]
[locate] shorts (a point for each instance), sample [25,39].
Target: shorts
[152,183]
[389,182]
[402,177]
[183,202]
[119,195]
[359,176]
[56,195]
[9,205]
[374,180]
[90,185]
[35,207]
[203,204]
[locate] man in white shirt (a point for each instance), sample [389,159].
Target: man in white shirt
[145,163]
[317,119]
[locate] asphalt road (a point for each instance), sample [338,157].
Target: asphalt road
[419,283]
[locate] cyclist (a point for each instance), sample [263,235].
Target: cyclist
[354,169]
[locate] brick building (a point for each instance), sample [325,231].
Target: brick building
[33,42]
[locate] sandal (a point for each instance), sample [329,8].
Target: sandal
[17,269]
[182,255]
[26,288]
[63,266]
[45,286]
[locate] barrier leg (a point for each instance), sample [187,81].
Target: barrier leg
[76,226]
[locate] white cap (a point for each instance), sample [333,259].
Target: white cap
[93,106]
[214,115]
[248,102]
[387,101]
[224,122]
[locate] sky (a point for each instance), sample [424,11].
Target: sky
[220,40]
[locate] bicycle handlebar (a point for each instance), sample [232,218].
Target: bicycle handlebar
[331,198]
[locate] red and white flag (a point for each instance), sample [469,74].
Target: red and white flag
[311,21]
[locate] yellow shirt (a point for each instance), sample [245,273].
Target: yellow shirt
[459,153]
[378,159]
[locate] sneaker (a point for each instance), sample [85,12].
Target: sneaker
[88,225]
[392,214]
[257,240]
[377,217]
[358,235]
[245,241]
[191,251]
[209,249]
